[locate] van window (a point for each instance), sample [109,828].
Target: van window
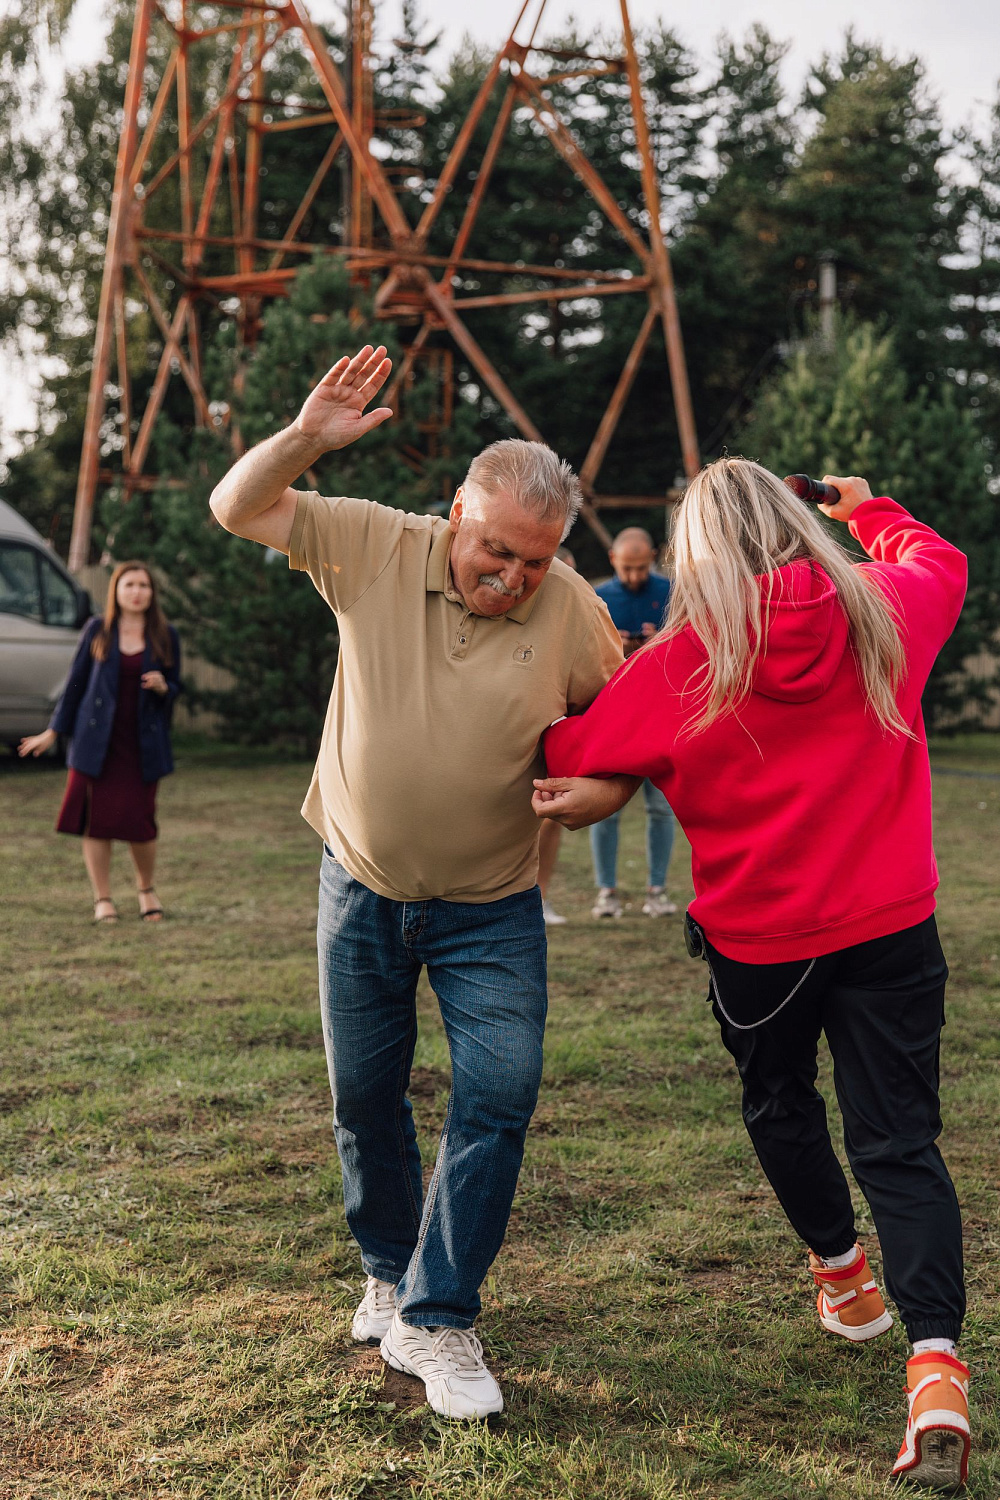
[59,598]
[20,587]
[31,586]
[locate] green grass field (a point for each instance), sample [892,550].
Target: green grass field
[177,1281]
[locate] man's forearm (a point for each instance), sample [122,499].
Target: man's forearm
[578,801]
[259,479]
[622,789]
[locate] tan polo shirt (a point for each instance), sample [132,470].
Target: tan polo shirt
[422,787]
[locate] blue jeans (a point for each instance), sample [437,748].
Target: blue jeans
[486,963]
[659,840]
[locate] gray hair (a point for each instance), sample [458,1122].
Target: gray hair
[532,475]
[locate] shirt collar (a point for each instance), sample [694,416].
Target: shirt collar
[438,577]
[437,560]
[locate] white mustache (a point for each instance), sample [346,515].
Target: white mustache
[495,582]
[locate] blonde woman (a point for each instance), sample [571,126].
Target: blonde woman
[779,712]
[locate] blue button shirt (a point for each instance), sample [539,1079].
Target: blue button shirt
[631,609]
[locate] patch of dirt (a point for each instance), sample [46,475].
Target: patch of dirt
[291,1037]
[71,1364]
[74,1370]
[36,1453]
[427,1083]
[406,1392]
[581,1098]
[219,1002]
[262,1314]
[18,1097]
[228,1103]
[716,1279]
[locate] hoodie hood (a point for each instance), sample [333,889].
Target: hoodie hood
[807,634]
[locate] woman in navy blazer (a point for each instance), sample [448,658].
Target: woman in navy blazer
[115,710]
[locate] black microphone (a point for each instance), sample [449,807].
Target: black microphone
[811,490]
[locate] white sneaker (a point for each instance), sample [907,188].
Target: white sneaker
[657,903]
[374,1314]
[450,1363]
[607,903]
[552,918]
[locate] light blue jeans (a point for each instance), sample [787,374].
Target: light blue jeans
[659,840]
[486,964]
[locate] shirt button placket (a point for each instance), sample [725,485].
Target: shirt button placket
[463,639]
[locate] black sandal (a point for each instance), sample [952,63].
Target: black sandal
[154,911]
[112,915]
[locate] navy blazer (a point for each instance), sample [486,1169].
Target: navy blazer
[86,710]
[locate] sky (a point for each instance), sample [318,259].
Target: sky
[958,40]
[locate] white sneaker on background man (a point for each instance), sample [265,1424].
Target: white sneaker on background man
[450,1363]
[658,903]
[607,903]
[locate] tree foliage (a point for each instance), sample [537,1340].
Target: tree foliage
[756,187]
[923,448]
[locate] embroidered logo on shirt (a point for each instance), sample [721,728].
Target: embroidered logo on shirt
[524,654]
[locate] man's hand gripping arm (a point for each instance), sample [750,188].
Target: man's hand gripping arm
[576,801]
[253,500]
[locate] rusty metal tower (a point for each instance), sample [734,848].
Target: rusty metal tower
[380,244]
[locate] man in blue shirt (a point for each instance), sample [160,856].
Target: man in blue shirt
[637,600]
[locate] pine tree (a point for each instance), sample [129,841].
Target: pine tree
[846,409]
[975,282]
[869,190]
[730,264]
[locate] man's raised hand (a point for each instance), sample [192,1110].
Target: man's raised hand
[334,413]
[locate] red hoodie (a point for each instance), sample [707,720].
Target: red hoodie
[810,827]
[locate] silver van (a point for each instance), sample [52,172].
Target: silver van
[42,610]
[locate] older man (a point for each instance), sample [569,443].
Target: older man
[637,599]
[461,640]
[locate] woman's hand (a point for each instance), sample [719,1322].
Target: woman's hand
[334,413]
[37,744]
[576,801]
[155,681]
[852,492]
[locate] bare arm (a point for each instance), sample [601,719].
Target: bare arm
[576,801]
[254,499]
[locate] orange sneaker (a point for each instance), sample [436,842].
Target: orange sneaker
[849,1302]
[935,1450]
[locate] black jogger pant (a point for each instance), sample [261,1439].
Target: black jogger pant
[881,1005]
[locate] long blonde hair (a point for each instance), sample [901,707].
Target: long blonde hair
[736,526]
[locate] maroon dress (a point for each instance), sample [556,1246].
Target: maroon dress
[118,804]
